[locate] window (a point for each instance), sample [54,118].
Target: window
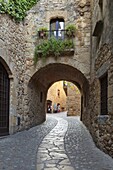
[98,32]
[104,94]
[65,87]
[57,28]
[58,93]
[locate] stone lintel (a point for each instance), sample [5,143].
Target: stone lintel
[56,13]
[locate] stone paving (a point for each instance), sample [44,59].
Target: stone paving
[51,153]
[18,151]
[61,143]
[81,150]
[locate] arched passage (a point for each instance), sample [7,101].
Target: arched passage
[43,79]
[64,96]
[4,98]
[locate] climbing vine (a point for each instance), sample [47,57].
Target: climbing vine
[16,8]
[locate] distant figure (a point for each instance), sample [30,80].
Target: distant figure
[54,108]
[49,109]
[58,107]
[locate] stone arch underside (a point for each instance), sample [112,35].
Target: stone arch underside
[40,83]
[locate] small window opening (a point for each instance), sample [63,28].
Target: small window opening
[58,93]
[104,94]
[57,28]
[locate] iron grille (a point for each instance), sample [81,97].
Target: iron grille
[4,101]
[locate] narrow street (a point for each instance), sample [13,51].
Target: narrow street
[60,143]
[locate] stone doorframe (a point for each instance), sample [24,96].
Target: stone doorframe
[12,98]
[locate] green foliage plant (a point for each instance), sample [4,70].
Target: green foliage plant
[71,30]
[16,8]
[52,46]
[43,32]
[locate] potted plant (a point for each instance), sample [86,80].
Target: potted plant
[43,32]
[70,30]
[52,46]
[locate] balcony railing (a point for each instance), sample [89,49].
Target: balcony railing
[58,34]
[54,43]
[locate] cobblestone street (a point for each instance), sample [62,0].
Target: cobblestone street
[60,143]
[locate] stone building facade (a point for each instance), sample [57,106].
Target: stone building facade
[69,98]
[12,47]
[56,94]
[100,104]
[89,68]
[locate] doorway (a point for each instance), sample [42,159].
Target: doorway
[4,101]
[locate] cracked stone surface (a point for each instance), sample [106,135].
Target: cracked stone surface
[61,143]
[77,147]
[51,153]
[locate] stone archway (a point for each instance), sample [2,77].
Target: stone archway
[43,79]
[65,96]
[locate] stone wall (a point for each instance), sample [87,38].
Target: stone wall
[73,100]
[101,126]
[12,47]
[36,103]
[73,12]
